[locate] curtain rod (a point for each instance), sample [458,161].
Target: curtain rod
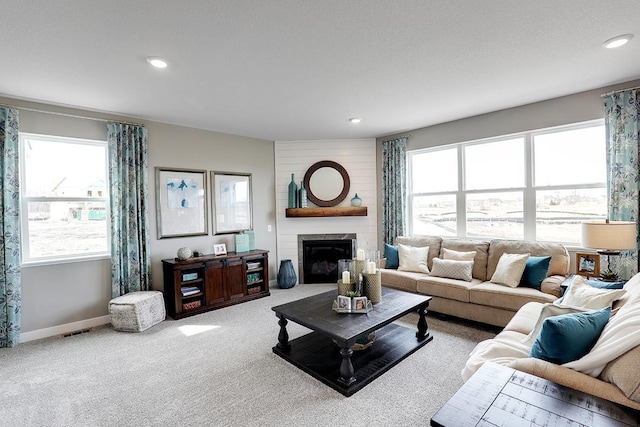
[397,137]
[73,116]
[618,91]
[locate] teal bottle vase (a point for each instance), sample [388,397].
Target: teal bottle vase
[356,201]
[293,193]
[286,275]
[302,202]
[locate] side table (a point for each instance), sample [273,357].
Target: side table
[499,396]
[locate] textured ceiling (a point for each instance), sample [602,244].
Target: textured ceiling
[296,69]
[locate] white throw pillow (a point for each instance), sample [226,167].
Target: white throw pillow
[452,269]
[509,269]
[458,256]
[581,294]
[548,310]
[413,259]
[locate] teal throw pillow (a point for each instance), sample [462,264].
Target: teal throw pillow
[535,271]
[605,285]
[568,337]
[391,254]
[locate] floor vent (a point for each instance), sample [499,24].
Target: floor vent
[82,331]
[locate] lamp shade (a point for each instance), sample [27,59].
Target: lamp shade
[609,235]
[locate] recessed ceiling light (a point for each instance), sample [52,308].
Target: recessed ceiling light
[355,120]
[157,62]
[617,41]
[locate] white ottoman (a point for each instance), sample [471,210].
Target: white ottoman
[137,311]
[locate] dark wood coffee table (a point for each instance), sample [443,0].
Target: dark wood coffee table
[326,352]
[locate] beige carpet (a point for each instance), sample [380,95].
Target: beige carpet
[217,369]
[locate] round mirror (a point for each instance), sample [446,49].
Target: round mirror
[327,183]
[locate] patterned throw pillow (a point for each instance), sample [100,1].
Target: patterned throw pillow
[452,269]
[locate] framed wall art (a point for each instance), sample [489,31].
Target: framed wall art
[232,210]
[588,265]
[181,202]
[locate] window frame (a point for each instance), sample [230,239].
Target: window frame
[27,260]
[529,190]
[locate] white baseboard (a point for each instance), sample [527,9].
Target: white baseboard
[64,329]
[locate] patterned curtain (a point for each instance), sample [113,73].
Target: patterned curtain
[394,188]
[130,244]
[623,167]
[10,293]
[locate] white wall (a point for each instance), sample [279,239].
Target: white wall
[358,157]
[66,297]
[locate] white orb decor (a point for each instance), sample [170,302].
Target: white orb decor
[184,253]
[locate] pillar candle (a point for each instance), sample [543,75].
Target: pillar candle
[360,255]
[346,277]
[371,267]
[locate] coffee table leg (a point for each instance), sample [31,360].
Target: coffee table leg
[423,328]
[346,368]
[283,336]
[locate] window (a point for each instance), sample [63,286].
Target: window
[63,213]
[536,185]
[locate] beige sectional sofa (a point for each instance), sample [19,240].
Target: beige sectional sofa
[480,300]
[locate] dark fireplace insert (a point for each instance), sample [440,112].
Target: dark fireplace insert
[320,259]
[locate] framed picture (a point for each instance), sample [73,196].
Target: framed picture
[232,210]
[220,249]
[588,264]
[344,302]
[359,303]
[181,202]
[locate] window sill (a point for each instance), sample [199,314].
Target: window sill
[42,263]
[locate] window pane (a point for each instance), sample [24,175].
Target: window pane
[559,213]
[570,157]
[434,215]
[494,165]
[54,168]
[67,228]
[435,171]
[498,215]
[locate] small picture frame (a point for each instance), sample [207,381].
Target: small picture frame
[588,265]
[359,303]
[344,303]
[219,249]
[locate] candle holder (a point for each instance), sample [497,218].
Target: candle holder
[346,276]
[373,286]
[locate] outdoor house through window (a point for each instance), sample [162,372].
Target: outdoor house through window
[64,208]
[537,185]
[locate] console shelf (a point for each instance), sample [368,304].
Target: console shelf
[324,212]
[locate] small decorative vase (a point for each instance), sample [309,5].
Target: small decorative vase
[184,254]
[286,275]
[356,201]
[293,193]
[303,196]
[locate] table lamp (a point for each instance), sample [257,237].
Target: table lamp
[609,238]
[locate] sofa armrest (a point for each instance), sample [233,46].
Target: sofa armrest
[383,262]
[573,379]
[551,285]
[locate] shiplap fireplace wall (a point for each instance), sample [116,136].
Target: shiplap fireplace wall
[358,157]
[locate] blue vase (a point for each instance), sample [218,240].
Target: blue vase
[356,201]
[293,193]
[286,275]
[302,203]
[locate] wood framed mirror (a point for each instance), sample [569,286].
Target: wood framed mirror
[327,183]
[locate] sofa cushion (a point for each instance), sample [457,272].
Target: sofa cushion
[535,271]
[509,269]
[501,296]
[433,242]
[617,372]
[481,247]
[568,337]
[452,269]
[403,280]
[391,256]
[560,260]
[446,288]
[580,294]
[413,259]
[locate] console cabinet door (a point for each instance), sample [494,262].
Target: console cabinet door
[214,280]
[235,278]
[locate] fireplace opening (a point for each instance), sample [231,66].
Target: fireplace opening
[320,259]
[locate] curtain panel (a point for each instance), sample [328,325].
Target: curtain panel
[129,187]
[623,167]
[10,289]
[394,189]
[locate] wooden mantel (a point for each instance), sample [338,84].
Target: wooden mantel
[322,212]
